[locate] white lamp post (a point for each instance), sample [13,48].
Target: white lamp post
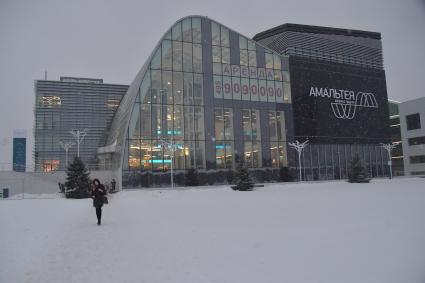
[79,136]
[299,148]
[171,146]
[389,147]
[66,146]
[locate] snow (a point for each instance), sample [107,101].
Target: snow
[308,232]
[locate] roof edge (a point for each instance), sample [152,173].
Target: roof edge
[316,29]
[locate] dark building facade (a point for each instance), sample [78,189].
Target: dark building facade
[339,96]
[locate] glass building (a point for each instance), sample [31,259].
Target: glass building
[219,97]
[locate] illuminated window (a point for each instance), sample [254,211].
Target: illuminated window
[50,165]
[113,103]
[50,101]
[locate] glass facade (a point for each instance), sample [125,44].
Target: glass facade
[171,102]
[219,97]
[170,105]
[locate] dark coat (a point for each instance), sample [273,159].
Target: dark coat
[98,194]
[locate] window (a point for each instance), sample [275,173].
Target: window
[198,89]
[417,159]
[276,62]
[251,136]
[188,88]
[277,138]
[416,141]
[243,57]
[413,122]
[197,58]
[156,86]
[178,87]
[177,31]
[243,43]
[50,165]
[225,37]
[215,34]
[252,58]
[177,55]
[216,54]
[251,45]
[225,55]
[196,30]
[269,61]
[187,30]
[187,57]
[50,101]
[166,55]
[223,118]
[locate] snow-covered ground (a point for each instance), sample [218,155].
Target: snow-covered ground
[311,232]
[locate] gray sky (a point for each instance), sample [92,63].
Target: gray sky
[112,39]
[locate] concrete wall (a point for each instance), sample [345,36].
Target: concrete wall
[45,183]
[407,108]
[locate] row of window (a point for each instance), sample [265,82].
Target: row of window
[247,49]
[178,56]
[156,121]
[416,141]
[185,125]
[151,155]
[417,159]
[166,87]
[47,121]
[188,30]
[332,161]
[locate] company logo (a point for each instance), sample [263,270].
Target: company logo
[345,102]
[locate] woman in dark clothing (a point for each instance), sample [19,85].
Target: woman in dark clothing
[98,193]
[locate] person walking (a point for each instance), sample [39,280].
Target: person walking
[98,194]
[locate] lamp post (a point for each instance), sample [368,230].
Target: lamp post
[299,148]
[79,136]
[389,147]
[172,147]
[66,146]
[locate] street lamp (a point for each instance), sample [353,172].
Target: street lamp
[172,147]
[389,147]
[79,136]
[299,148]
[66,146]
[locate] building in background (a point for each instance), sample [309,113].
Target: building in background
[412,123]
[221,97]
[395,131]
[72,104]
[339,96]
[19,150]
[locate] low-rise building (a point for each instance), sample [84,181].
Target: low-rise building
[412,122]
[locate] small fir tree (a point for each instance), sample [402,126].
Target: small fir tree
[357,172]
[77,180]
[242,178]
[192,177]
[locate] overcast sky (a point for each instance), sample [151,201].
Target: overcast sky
[112,39]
